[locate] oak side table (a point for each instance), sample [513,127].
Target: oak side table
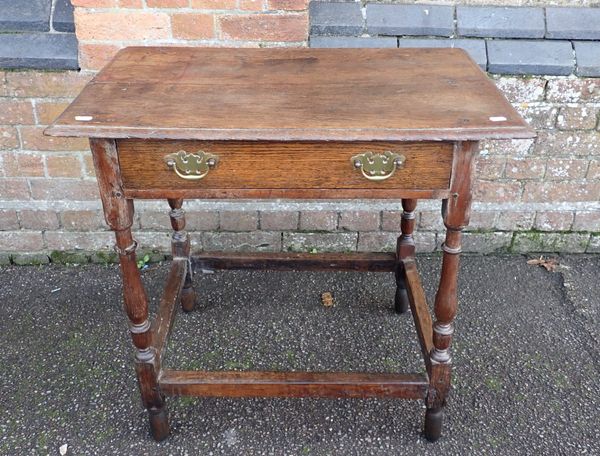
[178,123]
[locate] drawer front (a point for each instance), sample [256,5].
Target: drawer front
[153,165]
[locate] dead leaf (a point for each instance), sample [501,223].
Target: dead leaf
[549,263]
[327,299]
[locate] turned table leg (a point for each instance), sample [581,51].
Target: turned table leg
[118,212]
[455,212]
[405,248]
[180,247]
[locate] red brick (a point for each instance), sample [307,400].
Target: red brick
[525,168]
[425,242]
[159,241]
[594,244]
[489,167]
[214,4]
[64,189]
[497,192]
[262,241]
[21,164]
[202,220]
[318,220]
[265,27]
[279,220]
[30,165]
[82,220]
[167,3]
[90,241]
[123,25]
[288,5]
[539,117]
[568,143]
[512,148]
[386,242]
[359,220]
[8,220]
[238,220]
[34,139]
[484,220]
[390,221]
[8,137]
[45,84]
[251,5]
[48,111]
[38,220]
[553,221]
[572,90]
[155,220]
[15,112]
[131,3]
[594,170]
[514,221]
[14,189]
[587,221]
[94,3]
[559,169]
[21,241]
[577,117]
[88,165]
[196,241]
[193,26]
[8,163]
[544,192]
[63,165]
[377,242]
[486,243]
[519,90]
[320,242]
[431,221]
[96,56]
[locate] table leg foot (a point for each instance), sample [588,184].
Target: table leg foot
[401,300]
[159,423]
[433,423]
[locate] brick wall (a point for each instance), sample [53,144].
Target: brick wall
[538,195]
[104,26]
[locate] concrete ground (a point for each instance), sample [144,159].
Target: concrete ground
[526,353]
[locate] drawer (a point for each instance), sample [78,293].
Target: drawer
[321,169]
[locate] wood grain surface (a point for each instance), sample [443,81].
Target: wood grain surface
[419,309]
[291,94]
[292,384]
[162,323]
[297,261]
[326,167]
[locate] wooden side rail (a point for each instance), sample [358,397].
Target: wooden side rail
[163,322]
[419,309]
[293,384]
[287,261]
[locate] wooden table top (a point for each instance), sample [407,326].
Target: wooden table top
[291,94]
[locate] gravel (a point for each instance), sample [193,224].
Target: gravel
[526,359]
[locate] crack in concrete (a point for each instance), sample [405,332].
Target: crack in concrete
[577,319]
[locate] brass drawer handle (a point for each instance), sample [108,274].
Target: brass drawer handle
[378,167]
[191,166]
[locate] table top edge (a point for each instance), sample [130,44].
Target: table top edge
[290,134]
